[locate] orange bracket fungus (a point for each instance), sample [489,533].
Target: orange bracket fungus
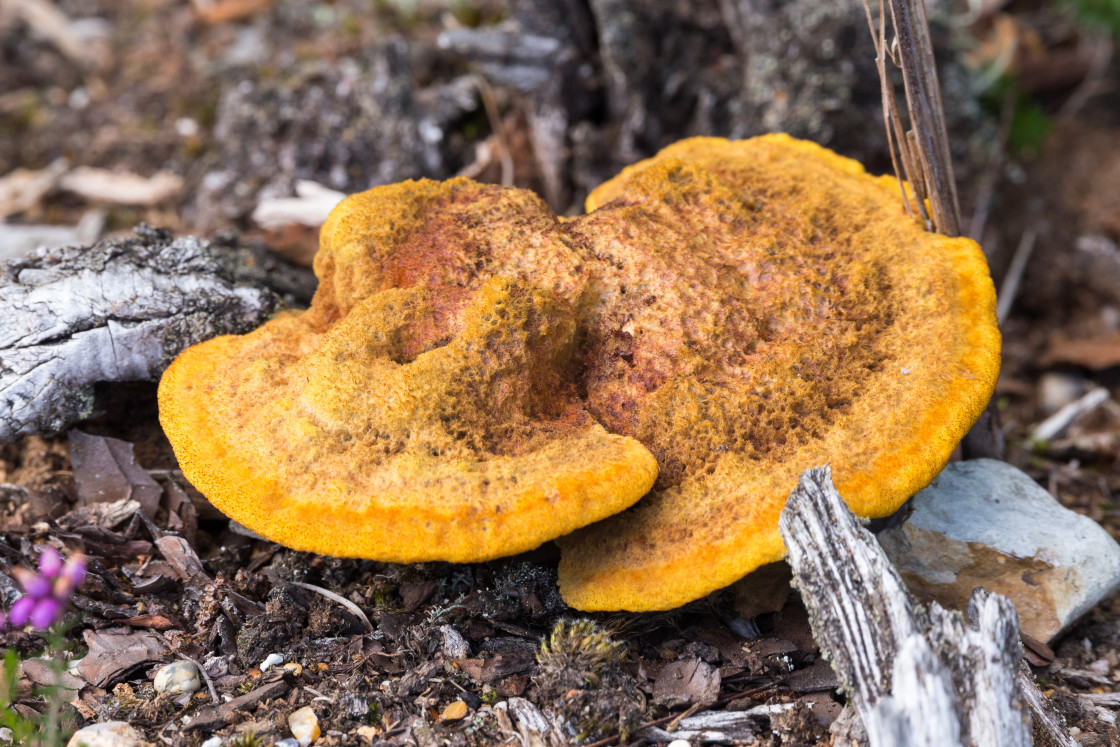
[475,377]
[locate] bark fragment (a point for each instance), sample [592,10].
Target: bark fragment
[120,310]
[915,677]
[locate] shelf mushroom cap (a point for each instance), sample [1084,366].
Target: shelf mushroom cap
[828,327]
[431,423]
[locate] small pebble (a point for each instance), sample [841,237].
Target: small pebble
[177,678]
[454,712]
[289,742]
[108,734]
[212,742]
[304,725]
[1058,389]
[270,661]
[453,645]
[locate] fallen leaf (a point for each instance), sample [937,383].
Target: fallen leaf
[105,470]
[500,665]
[223,11]
[41,672]
[1095,353]
[115,654]
[415,594]
[155,622]
[181,557]
[512,686]
[181,514]
[816,677]
[454,712]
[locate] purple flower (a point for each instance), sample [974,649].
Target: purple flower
[21,611]
[73,573]
[50,563]
[46,592]
[45,613]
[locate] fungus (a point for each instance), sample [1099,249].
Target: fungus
[809,321]
[475,377]
[428,423]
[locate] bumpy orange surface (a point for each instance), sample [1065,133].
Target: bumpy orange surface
[743,310]
[429,423]
[791,316]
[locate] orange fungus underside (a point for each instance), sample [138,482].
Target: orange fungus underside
[475,377]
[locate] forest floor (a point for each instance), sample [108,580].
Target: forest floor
[441,653]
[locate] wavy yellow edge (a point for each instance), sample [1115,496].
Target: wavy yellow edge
[414,528]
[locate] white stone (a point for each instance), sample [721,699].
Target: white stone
[304,725]
[986,523]
[270,661]
[177,678]
[212,742]
[1056,389]
[107,734]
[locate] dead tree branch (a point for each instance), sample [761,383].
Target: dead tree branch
[923,147]
[915,677]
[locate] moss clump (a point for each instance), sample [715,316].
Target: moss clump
[579,650]
[581,679]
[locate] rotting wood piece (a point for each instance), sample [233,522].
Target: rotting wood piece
[120,310]
[916,677]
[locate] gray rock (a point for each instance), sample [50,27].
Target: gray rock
[984,523]
[107,734]
[177,678]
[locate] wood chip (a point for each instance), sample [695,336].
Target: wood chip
[915,678]
[108,187]
[215,717]
[24,188]
[724,727]
[687,681]
[107,515]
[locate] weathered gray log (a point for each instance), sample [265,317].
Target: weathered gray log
[1048,725]
[915,677]
[120,310]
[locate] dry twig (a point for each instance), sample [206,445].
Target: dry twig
[923,148]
